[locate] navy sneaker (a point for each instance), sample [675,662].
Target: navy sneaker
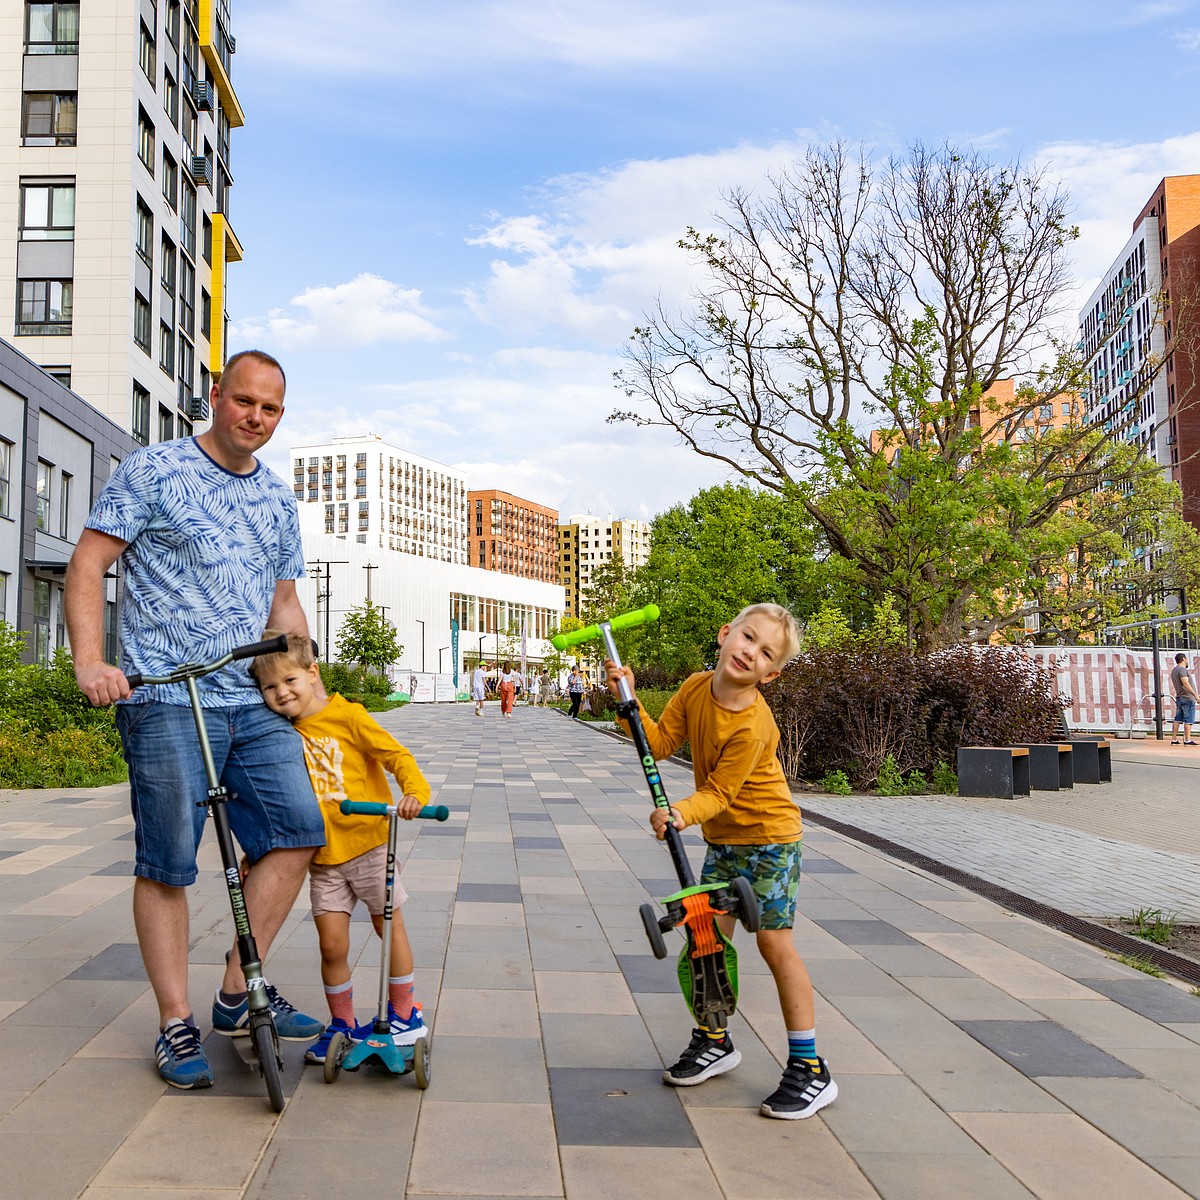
[319,1050]
[803,1090]
[703,1058]
[180,1056]
[407,1030]
[290,1024]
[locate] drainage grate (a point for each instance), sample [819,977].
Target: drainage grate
[1080,927]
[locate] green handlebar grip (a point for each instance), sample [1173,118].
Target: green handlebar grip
[431,812]
[589,633]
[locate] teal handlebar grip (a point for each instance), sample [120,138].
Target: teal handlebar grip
[589,633]
[368,808]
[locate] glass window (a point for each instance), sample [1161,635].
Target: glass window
[146,52]
[52,28]
[172,21]
[166,349]
[141,321]
[166,424]
[145,233]
[187,219]
[43,307]
[187,297]
[171,98]
[48,212]
[170,180]
[140,423]
[187,367]
[41,519]
[64,504]
[41,621]
[49,119]
[6,449]
[206,248]
[146,140]
[167,266]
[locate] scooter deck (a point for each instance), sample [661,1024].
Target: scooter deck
[707,966]
[382,1050]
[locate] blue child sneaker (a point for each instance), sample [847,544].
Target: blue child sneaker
[290,1024]
[180,1056]
[319,1050]
[406,1030]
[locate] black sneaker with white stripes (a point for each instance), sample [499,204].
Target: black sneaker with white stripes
[803,1090]
[704,1058]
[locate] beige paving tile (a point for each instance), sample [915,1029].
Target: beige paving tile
[918,1176]
[9,1100]
[754,1158]
[1013,973]
[1111,1026]
[76,898]
[480,913]
[510,1148]
[968,999]
[29,861]
[551,885]
[1059,1156]
[174,1145]
[488,1012]
[1176,1070]
[637,1173]
[583,992]
[48,1165]
[107,1193]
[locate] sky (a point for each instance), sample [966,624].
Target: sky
[455,214]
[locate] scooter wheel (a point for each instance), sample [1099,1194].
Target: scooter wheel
[421,1062]
[262,1034]
[338,1045]
[747,903]
[653,932]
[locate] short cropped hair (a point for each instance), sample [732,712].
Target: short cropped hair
[1181,658]
[259,356]
[298,654]
[782,617]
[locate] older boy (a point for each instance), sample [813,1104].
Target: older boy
[346,753]
[744,807]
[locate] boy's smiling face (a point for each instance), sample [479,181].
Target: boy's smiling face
[291,689]
[752,652]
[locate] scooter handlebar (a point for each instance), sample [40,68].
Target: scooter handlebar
[589,633]
[275,645]
[368,808]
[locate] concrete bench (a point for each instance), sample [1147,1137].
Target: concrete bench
[1051,766]
[999,773]
[1091,759]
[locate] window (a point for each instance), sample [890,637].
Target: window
[187,368]
[141,321]
[62,374]
[166,424]
[207,244]
[145,140]
[64,504]
[140,424]
[41,621]
[41,518]
[171,98]
[48,212]
[146,53]
[52,28]
[43,307]
[49,119]
[172,21]
[166,349]
[6,449]
[4,596]
[187,219]
[167,266]
[170,179]
[187,297]
[145,233]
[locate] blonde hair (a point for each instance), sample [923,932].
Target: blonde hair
[299,653]
[782,617]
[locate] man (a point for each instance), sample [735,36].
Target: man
[210,544]
[1185,701]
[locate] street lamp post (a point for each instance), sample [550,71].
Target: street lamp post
[422,625]
[441,651]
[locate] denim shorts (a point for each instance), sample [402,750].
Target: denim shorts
[259,757]
[773,871]
[1185,710]
[335,887]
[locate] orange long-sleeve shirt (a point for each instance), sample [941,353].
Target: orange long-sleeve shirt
[742,796]
[347,752]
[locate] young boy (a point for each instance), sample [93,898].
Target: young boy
[346,753]
[744,807]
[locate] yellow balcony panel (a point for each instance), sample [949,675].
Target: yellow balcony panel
[211,40]
[233,248]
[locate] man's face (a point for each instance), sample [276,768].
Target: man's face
[247,405]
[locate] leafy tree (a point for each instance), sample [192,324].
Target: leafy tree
[903,295]
[610,591]
[368,637]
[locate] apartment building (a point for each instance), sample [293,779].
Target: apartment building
[380,496]
[587,542]
[115,235]
[1142,316]
[510,534]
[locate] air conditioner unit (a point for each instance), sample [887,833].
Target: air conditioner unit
[197,408]
[202,94]
[202,170]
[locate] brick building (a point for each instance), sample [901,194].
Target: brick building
[510,534]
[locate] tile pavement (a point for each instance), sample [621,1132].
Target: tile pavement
[978,1054]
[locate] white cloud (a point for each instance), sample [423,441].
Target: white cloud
[366,310]
[1188,39]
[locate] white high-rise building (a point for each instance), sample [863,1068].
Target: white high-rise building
[114,200]
[587,542]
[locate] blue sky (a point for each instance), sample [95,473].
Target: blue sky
[455,213]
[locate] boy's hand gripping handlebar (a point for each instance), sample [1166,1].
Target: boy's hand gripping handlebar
[369,808]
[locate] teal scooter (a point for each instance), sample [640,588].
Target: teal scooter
[346,1054]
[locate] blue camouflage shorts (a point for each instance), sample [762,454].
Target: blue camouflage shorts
[773,871]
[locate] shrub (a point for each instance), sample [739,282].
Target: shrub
[889,781]
[835,783]
[358,684]
[945,780]
[915,784]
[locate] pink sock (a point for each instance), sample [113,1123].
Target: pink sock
[400,994]
[340,999]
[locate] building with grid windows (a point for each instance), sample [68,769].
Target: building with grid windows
[509,534]
[586,542]
[114,200]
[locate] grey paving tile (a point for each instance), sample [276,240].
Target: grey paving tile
[122,960]
[812,865]
[920,1176]
[594,1040]
[645,973]
[537,843]
[912,960]
[596,1107]
[1039,1048]
[1153,998]
[841,978]
[490,1070]
[866,933]
[496,893]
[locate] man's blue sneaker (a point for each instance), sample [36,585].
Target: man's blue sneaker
[180,1057]
[406,1030]
[290,1024]
[317,1052]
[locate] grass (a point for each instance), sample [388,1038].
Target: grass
[1154,925]
[1139,964]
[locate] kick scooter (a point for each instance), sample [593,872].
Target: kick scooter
[344,1054]
[263,1038]
[707,965]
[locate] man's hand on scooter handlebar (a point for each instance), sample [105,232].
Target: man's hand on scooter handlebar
[612,673]
[660,818]
[409,807]
[101,683]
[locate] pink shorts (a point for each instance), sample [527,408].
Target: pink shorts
[336,888]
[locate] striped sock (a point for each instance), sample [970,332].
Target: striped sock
[400,994]
[340,999]
[802,1045]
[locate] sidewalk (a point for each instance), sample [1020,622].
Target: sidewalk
[979,1054]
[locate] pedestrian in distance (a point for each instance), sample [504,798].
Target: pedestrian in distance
[544,688]
[348,755]
[209,541]
[479,687]
[508,691]
[535,687]
[752,828]
[1185,701]
[575,692]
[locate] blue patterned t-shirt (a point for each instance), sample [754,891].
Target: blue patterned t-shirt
[207,548]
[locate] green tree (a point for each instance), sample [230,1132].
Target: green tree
[368,637]
[609,592]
